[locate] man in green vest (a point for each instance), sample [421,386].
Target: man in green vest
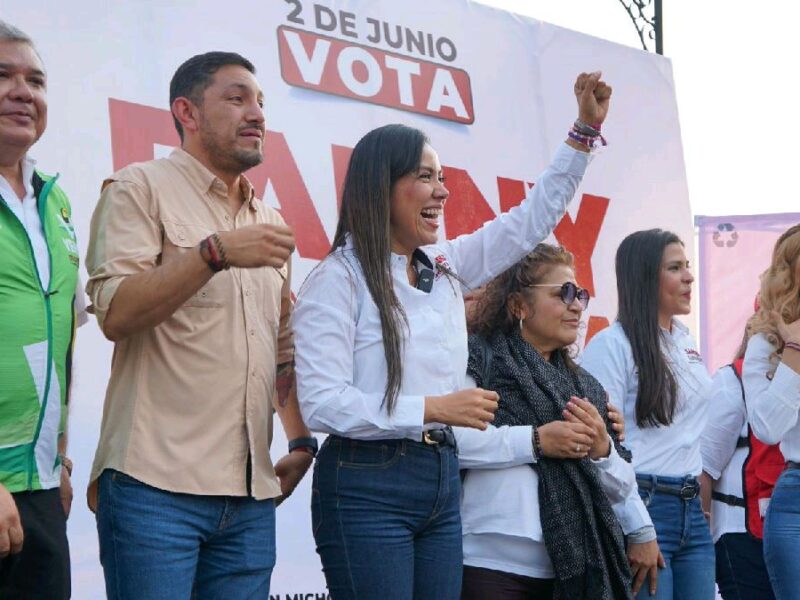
[38,279]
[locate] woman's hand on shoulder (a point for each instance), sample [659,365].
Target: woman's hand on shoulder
[466,408]
[562,439]
[580,410]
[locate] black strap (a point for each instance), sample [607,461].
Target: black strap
[728,499]
[743,442]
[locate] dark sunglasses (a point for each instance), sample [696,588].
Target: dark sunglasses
[568,292]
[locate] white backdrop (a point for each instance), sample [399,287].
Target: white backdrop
[492,90]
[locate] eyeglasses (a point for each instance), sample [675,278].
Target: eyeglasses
[568,293]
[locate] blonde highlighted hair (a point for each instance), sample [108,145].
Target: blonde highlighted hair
[780,289]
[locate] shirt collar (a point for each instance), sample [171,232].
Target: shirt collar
[206,181]
[28,168]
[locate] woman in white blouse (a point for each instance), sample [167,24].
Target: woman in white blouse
[553,525]
[649,362]
[381,351]
[771,376]
[726,450]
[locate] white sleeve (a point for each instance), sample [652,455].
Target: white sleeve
[494,448]
[324,324]
[772,406]
[619,482]
[726,417]
[501,242]
[608,359]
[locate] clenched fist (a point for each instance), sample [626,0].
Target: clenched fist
[593,96]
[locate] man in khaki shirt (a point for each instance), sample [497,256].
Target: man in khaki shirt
[189,276]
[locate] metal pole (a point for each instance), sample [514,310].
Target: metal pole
[659,30]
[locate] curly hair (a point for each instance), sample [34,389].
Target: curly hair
[492,314]
[780,288]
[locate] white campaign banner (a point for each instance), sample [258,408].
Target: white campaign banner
[492,90]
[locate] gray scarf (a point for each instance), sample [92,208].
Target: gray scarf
[581,533]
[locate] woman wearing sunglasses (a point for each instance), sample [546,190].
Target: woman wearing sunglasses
[649,362]
[551,527]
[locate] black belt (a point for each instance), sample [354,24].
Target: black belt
[729,499]
[439,437]
[790,464]
[688,490]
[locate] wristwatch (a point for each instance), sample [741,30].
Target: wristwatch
[307,444]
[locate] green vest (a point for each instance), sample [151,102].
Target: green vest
[37,329]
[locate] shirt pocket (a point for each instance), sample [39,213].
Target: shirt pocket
[268,281]
[180,238]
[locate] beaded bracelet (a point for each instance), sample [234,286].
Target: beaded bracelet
[586,129]
[537,444]
[221,249]
[590,141]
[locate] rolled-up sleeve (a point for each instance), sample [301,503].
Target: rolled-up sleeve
[324,324]
[285,336]
[125,239]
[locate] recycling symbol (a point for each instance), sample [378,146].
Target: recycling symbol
[725,235]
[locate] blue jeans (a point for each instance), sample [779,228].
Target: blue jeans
[782,536]
[386,519]
[741,572]
[684,539]
[158,545]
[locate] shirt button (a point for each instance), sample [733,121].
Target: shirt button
[252,373]
[252,332]
[227,217]
[181,236]
[247,292]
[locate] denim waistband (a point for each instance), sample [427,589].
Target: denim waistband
[686,487]
[438,439]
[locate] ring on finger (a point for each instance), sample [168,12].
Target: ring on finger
[577,448]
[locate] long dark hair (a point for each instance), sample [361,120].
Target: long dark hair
[379,159]
[638,266]
[492,313]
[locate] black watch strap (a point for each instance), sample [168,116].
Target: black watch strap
[304,442]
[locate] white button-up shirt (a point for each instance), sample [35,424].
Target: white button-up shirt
[773,397]
[27,211]
[669,451]
[722,460]
[340,363]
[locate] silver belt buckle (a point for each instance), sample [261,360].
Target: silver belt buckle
[427,439]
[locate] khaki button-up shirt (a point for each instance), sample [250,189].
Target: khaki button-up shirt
[190,399]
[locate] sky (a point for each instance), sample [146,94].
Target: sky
[734,66]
